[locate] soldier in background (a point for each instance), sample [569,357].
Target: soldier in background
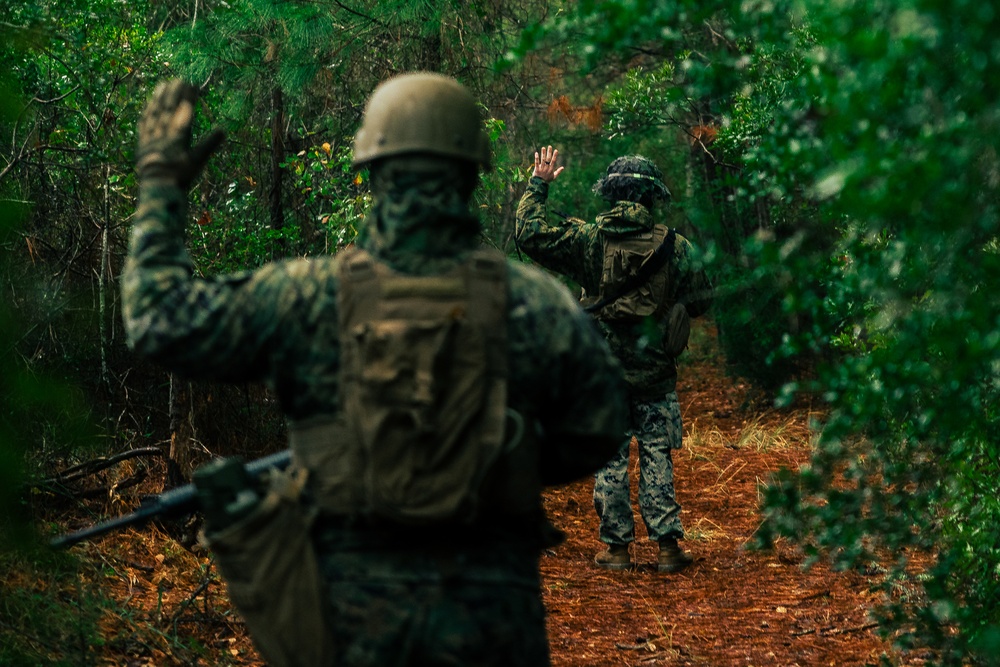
[431,390]
[644,314]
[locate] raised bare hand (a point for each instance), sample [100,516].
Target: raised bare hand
[546,160]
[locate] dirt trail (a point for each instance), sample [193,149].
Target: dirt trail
[732,606]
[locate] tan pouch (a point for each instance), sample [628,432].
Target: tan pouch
[626,258]
[274,580]
[424,386]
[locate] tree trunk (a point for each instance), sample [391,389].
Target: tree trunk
[277,211]
[181,433]
[102,277]
[429,58]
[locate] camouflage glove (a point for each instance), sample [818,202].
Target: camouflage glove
[165,152]
[226,493]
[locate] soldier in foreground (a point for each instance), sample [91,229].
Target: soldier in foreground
[431,390]
[643,286]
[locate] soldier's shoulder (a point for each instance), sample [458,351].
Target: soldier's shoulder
[293,271]
[682,244]
[533,288]
[293,284]
[546,321]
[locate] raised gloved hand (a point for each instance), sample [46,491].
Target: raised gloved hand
[165,152]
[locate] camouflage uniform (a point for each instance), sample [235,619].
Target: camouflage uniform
[398,596]
[575,249]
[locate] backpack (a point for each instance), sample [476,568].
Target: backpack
[635,285]
[423,381]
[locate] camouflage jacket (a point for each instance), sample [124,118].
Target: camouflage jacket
[575,248]
[279,324]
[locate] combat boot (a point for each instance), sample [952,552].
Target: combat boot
[615,558]
[672,558]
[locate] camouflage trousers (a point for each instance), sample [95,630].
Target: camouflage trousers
[409,606]
[657,427]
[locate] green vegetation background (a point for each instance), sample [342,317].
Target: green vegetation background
[837,162]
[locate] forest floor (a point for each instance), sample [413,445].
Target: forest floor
[165,604]
[733,605]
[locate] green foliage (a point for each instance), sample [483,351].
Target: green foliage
[645,99]
[856,165]
[38,414]
[14,389]
[68,154]
[912,168]
[335,191]
[331,200]
[37,627]
[889,137]
[282,78]
[255,48]
[499,189]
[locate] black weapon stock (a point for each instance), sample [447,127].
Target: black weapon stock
[172,503]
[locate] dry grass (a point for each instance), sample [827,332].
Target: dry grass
[700,442]
[705,530]
[765,432]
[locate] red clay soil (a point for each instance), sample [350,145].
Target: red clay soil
[732,607]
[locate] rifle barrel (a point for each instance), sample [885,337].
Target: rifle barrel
[145,512]
[174,502]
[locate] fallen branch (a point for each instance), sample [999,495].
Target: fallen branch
[830,631]
[60,484]
[817,594]
[206,581]
[647,645]
[104,491]
[97,465]
[148,569]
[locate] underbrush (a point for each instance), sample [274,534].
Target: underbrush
[48,614]
[138,599]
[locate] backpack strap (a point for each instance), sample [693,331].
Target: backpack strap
[358,280]
[488,304]
[657,261]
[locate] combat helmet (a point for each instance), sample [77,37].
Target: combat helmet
[421,112]
[632,178]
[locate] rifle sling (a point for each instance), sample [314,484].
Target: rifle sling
[659,259]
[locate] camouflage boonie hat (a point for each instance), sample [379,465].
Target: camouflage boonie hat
[632,178]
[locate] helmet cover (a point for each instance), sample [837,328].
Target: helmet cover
[422,113]
[632,178]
